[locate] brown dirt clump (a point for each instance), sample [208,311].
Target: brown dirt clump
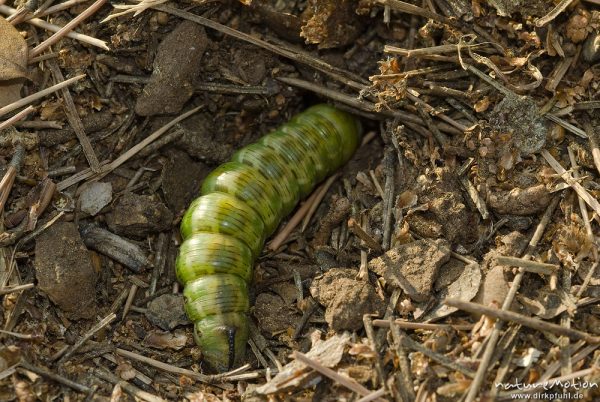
[346,299]
[176,68]
[64,270]
[139,215]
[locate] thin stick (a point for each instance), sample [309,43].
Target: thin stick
[308,312]
[566,125]
[560,7]
[363,270]
[492,339]
[566,176]
[535,323]
[19,335]
[129,301]
[594,145]
[428,108]
[129,388]
[355,228]
[438,357]
[18,288]
[164,366]
[294,221]
[38,95]
[58,7]
[103,323]
[9,176]
[55,377]
[404,378]
[91,10]
[368,324]
[345,381]
[208,379]
[582,207]
[55,28]
[421,325]
[376,182]
[343,76]
[317,201]
[426,50]
[19,116]
[109,167]
[528,265]
[75,120]
[389,197]
[373,395]
[415,10]
[361,104]
[587,279]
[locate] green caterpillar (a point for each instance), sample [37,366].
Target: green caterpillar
[241,204]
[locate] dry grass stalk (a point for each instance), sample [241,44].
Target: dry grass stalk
[370,242]
[530,322]
[9,177]
[101,324]
[566,176]
[559,8]
[55,28]
[129,388]
[75,120]
[91,10]
[421,325]
[18,288]
[323,189]
[65,5]
[38,95]
[109,167]
[305,210]
[344,381]
[528,265]
[136,9]
[493,337]
[19,116]
[55,377]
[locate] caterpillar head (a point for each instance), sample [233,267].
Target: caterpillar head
[222,338]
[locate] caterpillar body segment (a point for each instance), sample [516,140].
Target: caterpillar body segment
[242,202]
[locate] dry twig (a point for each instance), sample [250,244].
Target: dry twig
[54,28]
[36,51]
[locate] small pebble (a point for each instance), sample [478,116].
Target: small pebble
[94,196]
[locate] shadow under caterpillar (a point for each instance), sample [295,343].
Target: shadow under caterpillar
[241,204]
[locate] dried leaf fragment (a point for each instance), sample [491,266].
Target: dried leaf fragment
[13,63]
[294,374]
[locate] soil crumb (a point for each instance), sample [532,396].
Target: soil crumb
[345,298]
[176,67]
[64,270]
[139,215]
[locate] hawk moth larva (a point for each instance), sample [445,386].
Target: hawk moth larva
[241,204]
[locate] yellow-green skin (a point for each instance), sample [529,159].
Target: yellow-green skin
[241,204]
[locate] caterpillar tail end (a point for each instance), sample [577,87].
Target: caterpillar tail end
[222,338]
